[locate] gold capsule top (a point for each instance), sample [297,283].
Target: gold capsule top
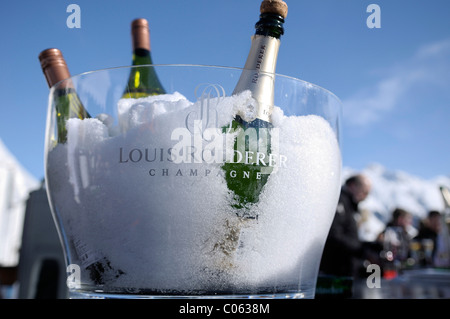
[140,33]
[54,66]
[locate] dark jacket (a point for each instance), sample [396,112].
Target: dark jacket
[343,248]
[427,233]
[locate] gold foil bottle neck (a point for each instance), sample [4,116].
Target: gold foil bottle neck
[140,33]
[54,66]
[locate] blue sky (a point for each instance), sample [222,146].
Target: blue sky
[394,81]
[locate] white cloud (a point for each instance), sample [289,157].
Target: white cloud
[429,66]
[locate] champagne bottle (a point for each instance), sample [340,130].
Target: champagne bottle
[248,171]
[143,80]
[67,102]
[68,105]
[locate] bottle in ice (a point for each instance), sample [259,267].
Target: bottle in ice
[67,102]
[143,80]
[68,105]
[248,170]
[99,267]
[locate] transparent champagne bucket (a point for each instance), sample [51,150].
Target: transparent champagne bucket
[139,192]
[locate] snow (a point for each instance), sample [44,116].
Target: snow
[15,185]
[155,214]
[390,189]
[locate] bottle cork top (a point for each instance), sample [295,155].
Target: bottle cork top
[140,33]
[274,6]
[54,66]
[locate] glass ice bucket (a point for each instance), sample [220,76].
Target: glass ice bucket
[139,192]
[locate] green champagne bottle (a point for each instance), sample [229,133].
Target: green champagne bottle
[68,105]
[143,80]
[249,169]
[67,102]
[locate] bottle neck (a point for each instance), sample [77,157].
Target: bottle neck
[140,34]
[141,57]
[259,68]
[56,73]
[54,67]
[270,24]
[262,56]
[265,43]
[258,77]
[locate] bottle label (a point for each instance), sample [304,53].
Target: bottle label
[86,255]
[258,75]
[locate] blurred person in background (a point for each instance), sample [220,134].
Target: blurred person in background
[429,229]
[396,242]
[344,252]
[402,221]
